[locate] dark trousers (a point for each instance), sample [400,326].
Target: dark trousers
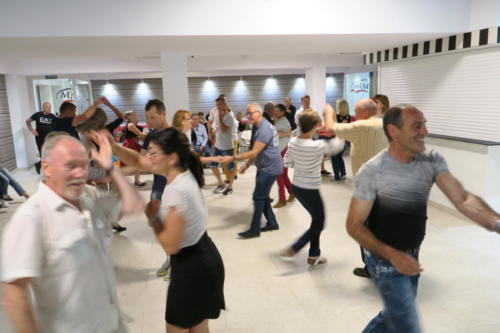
[313,203]
[338,165]
[262,203]
[39,144]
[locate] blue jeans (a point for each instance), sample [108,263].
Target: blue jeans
[338,165]
[398,292]
[6,179]
[205,152]
[261,202]
[159,183]
[222,152]
[313,203]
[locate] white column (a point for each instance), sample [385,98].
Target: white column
[20,108]
[175,82]
[316,86]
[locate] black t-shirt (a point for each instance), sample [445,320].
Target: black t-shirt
[130,134]
[66,125]
[114,125]
[343,119]
[291,116]
[44,122]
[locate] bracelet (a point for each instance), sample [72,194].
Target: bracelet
[496,226]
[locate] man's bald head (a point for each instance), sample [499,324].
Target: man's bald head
[365,108]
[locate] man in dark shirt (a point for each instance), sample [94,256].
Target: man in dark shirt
[68,120]
[269,112]
[290,112]
[388,214]
[44,121]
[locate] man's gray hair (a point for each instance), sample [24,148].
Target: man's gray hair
[51,142]
[369,105]
[257,107]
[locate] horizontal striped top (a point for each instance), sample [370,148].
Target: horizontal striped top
[305,156]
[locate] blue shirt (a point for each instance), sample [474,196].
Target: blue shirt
[269,159]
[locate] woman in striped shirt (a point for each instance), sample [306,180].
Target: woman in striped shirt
[305,155]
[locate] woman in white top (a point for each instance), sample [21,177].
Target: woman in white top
[195,293]
[305,155]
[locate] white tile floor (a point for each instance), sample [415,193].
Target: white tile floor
[459,289]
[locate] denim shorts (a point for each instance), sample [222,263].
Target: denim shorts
[223,152]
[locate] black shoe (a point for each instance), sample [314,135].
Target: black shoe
[269,227]
[119,228]
[38,166]
[219,188]
[227,191]
[249,234]
[361,272]
[140,184]
[7,197]
[324,172]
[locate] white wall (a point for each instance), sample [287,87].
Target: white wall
[484,14]
[20,108]
[476,166]
[229,17]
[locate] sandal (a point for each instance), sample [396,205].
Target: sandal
[315,261]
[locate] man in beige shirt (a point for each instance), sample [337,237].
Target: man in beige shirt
[366,134]
[367,139]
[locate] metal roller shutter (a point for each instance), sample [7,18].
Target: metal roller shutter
[7,152]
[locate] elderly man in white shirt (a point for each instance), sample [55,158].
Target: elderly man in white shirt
[56,265]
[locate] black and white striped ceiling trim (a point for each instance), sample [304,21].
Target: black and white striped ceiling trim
[451,43]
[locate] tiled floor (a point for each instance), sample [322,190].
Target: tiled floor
[459,289]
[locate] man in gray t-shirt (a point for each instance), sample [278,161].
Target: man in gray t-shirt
[267,158]
[388,214]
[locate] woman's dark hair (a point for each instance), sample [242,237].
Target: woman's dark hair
[171,141]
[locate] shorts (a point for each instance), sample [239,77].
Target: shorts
[222,152]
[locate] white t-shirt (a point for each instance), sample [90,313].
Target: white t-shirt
[305,156]
[283,125]
[225,140]
[65,252]
[185,195]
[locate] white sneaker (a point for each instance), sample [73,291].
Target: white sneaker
[4,204]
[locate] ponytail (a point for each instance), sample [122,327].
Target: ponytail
[196,168]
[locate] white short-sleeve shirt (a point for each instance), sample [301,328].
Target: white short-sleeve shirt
[65,252]
[186,197]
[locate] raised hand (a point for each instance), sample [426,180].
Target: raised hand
[103,156]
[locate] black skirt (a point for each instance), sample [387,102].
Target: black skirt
[196,290]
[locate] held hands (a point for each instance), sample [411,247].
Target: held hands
[103,156]
[226,159]
[405,263]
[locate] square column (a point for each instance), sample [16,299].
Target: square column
[21,108]
[316,87]
[175,82]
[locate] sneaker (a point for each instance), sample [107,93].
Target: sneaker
[219,188]
[227,191]
[317,261]
[119,228]
[4,204]
[164,269]
[249,234]
[7,197]
[269,227]
[361,272]
[324,172]
[291,198]
[140,184]
[279,204]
